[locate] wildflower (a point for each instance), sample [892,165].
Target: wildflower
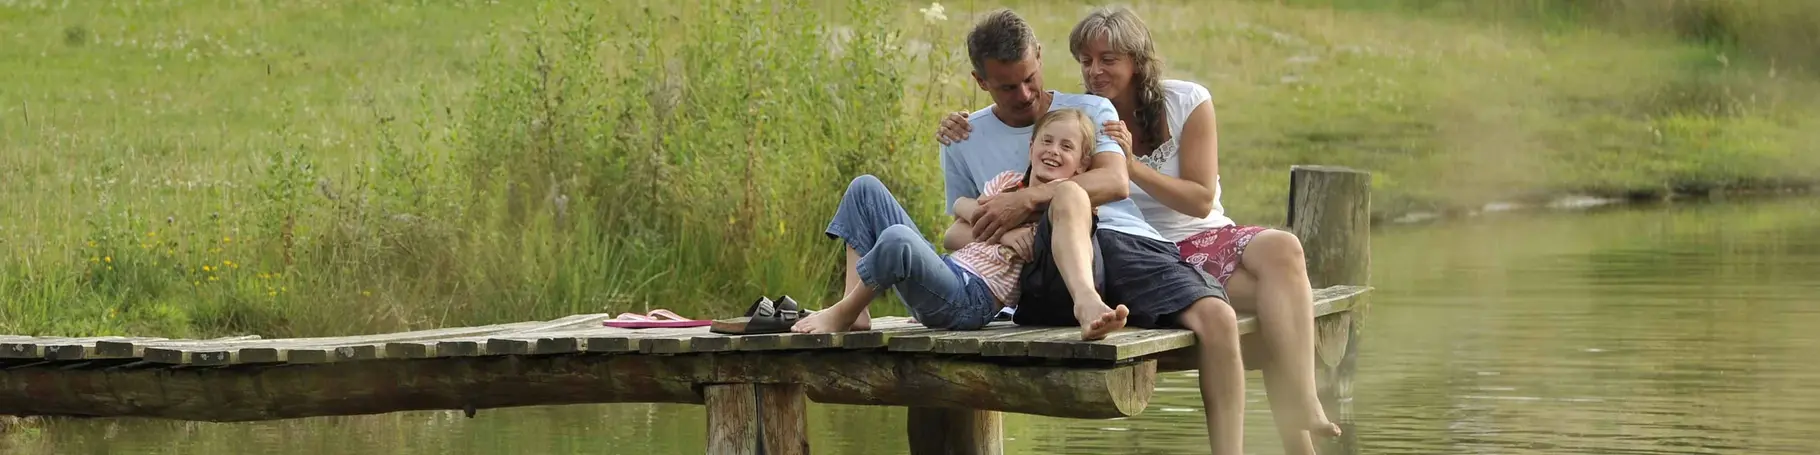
[91,244]
[212,278]
[109,259]
[934,13]
[151,234]
[110,268]
[206,268]
[271,293]
[366,293]
[227,240]
[94,259]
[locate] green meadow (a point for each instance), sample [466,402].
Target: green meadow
[189,168]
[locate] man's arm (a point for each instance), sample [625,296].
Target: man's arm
[1105,181]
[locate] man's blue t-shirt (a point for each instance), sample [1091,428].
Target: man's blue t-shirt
[994,147]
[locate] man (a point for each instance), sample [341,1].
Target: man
[1141,271]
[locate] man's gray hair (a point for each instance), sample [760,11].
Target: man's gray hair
[1000,35]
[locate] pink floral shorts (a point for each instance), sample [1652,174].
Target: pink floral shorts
[1217,251]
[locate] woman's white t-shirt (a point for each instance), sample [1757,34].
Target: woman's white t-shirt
[1179,100]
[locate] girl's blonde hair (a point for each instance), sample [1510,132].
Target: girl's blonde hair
[1126,33]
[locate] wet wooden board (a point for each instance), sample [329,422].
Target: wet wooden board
[584,334]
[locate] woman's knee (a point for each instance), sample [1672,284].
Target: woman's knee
[1275,247]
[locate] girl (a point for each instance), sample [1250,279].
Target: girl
[960,291]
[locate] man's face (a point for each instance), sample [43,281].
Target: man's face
[1015,86]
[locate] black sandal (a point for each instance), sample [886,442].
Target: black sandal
[765,316]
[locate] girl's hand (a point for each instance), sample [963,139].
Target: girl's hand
[954,128]
[1022,242]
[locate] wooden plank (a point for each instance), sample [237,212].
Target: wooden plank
[1019,345]
[135,348]
[84,349]
[318,350]
[973,341]
[882,330]
[798,341]
[369,387]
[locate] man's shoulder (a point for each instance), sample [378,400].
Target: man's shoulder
[1078,100]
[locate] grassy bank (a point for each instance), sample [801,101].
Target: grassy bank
[306,168]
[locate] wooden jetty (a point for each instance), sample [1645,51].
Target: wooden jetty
[755,388]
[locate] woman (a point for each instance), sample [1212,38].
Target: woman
[1173,144]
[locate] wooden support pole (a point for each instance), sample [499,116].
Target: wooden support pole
[757,419]
[956,431]
[1330,210]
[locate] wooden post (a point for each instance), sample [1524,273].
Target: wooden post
[757,419]
[1330,210]
[956,431]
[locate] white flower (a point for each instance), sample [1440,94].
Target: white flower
[933,13]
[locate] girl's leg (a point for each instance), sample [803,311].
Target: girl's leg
[865,211]
[1216,327]
[1071,218]
[903,260]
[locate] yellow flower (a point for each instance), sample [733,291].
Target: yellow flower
[91,244]
[271,293]
[94,259]
[109,259]
[110,268]
[195,283]
[151,234]
[211,278]
[227,240]
[366,293]
[206,268]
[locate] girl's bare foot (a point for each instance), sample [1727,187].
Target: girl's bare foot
[826,321]
[1097,320]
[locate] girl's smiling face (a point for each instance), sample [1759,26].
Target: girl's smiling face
[1058,148]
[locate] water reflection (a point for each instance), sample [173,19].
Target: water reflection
[1680,330]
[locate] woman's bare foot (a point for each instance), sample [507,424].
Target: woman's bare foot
[1097,320]
[830,320]
[1324,429]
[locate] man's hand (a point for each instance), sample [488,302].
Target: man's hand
[1000,213]
[1022,242]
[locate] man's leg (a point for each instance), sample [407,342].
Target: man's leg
[865,211]
[1165,291]
[1222,373]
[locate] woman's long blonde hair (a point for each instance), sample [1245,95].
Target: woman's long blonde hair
[1126,33]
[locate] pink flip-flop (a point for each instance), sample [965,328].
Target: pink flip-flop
[659,318]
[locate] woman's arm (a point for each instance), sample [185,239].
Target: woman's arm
[1199,149]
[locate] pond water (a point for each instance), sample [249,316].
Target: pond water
[1681,329]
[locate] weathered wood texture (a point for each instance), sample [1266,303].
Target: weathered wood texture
[259,392]
[1330,209]
[583,334]
[955,431]
[757,419]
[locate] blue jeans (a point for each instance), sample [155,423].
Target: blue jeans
[894,254]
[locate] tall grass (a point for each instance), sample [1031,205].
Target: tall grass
[312,167]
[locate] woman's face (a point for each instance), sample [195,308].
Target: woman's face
[1056,150]
[1104,71]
